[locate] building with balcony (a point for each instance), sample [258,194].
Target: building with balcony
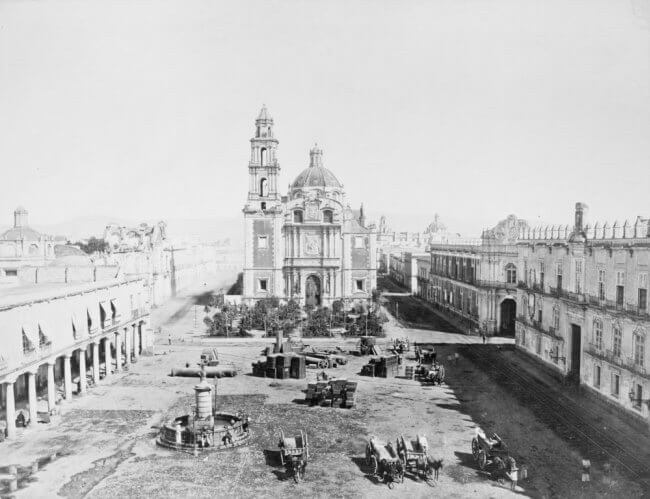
[583,302]
[473,281]
[64,330]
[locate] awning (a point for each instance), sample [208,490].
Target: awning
[43,336]
[28,339]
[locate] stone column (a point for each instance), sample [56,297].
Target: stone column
[10,409]
[82,370]
[31,394]
[51,387]
[107,357]
[136,342]
[118,351]
[95,349]
[67,376]
[127,346]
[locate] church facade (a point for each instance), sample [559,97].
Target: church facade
[307,245]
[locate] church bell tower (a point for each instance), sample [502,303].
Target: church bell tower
[263,168]
[263,216]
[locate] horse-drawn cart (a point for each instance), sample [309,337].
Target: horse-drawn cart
[384,461]
[414,455]
[431,374]
[294,454]
[493,451]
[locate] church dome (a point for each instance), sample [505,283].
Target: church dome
[316,175]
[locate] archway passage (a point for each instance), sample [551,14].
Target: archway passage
[508,316]
[312,291]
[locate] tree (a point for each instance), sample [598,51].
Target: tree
[94,245]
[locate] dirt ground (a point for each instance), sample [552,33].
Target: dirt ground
[104,442]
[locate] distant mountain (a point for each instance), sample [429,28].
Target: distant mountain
[205,229]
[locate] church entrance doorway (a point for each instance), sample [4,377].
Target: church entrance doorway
[312,291]
[508,316]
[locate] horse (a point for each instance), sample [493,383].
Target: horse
[430,466]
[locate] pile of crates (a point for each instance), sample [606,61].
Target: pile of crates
[381,367]
[333,393]
[281,366]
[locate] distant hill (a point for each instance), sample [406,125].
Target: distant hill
[205,229]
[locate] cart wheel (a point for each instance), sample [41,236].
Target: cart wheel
[482,460]
[475,448]
[375,466]
[390,484]
[322,364]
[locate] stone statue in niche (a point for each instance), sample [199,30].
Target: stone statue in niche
[312,245]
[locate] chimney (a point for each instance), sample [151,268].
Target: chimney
[580,217]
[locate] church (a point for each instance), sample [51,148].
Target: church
[307,245]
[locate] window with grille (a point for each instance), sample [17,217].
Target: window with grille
[511,274]
[542,270]
[598,334]
[556,319]
[558,272]
[617,341]
[597,376]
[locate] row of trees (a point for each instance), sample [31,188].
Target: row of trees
[272,316]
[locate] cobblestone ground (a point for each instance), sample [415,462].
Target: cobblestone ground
[104,442]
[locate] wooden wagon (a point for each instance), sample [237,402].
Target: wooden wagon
[294,454]
[384,461]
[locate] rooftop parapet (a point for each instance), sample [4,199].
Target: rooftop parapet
[640,229]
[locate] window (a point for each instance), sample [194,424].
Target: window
[297,217]
[263,156]
[601,284]
[616,341]
[643,292]
[559,275]
[328,216]
[358,242]
[538,349]
[578,282]
[556,319]
[616,384]
[264,190]
[639,397]
[620,288]
[597,376]
[262,242]
[263,284]
[359,284]
[263,205]
[11,272]
[542,270]
[639,349]
[511,274]
[598,334]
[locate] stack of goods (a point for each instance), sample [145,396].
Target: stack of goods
[259,369]
[298,370]
[381,367]
[335,393]
[409,371]
[281,366]
[271,365]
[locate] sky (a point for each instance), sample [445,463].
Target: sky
[472,109]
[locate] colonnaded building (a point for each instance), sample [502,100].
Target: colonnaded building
[308,245]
